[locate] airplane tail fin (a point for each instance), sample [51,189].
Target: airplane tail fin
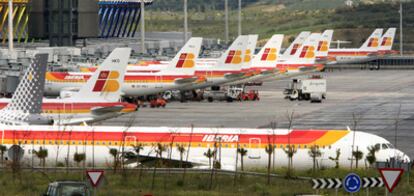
[249,52]
[372,43]
[184,62]
[324,43]
[268,55]
[107,80]
[25,105]
[387,39]
[307,52]
[232,59]
[296,44]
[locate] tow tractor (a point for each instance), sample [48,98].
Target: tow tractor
[312,88]
[233,93]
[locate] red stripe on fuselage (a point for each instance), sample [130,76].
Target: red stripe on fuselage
[295,137]
[78,105]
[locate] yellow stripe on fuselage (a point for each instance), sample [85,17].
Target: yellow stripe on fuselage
[330,138]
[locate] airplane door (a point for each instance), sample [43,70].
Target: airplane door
[130,141]
[67,107]
[254,148]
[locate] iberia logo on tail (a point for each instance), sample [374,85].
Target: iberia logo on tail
[323,46]
[234,57]
[373,42]
[269,54]
[307,52]
[387,41]
[247,56]
[186,60]
[107,82]
[295,48]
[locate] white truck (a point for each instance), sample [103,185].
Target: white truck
[313,89]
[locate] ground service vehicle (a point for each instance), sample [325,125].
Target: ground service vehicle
[313,89]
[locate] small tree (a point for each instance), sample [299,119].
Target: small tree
[159,150]
[3,150]
[314,152]
[336,158]
[209,154]
[79,157]
[181,150]
[41,154]
[371,157]
[269,150]
[358,155]
[114,154]
[137,148]
[290,151]
[242,152]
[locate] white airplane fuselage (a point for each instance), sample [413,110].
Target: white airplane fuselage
[95,142]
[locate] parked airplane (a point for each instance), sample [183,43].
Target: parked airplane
[62,142]
[24,107]
[265,62]
[386,43]
[323,48]
[304,60]
[295,45]
[178,74]
[269,65]
[225,69]
[98,99]
[368,51]
[96,141]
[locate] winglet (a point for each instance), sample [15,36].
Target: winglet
[107,80]
[372,43]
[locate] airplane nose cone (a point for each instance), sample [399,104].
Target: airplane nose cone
[402,156]
[406,158]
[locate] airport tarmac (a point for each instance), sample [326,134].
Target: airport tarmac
[373,96]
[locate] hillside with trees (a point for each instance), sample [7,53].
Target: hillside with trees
[268,17]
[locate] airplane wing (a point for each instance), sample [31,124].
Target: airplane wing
[302,71]
[90,118]
[196,162]
[105,110]
[185,80]
[233,75]
[151,161]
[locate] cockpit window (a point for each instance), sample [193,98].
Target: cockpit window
[378,146]
[384,146]
[390,146]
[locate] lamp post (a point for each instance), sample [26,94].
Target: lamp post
[10,21]
[142,27]
[185,21]
[401,28]
[239,17]
[226,21]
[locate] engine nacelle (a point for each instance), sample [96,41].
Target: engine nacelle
[68,92]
